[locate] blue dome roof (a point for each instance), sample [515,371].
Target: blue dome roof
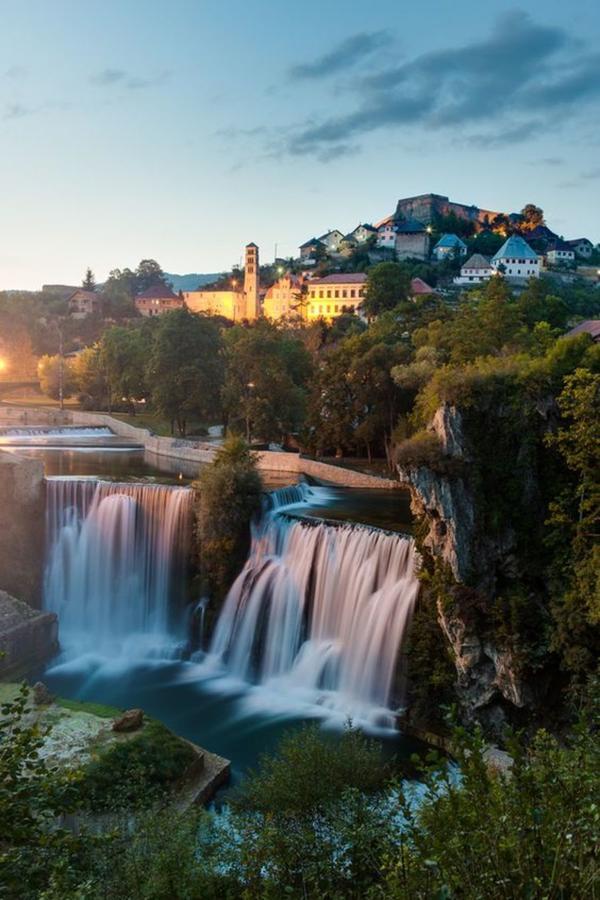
[515,248]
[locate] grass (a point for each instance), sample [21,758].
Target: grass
[159,426]
[95,709]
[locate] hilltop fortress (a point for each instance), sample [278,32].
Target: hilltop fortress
[426,207]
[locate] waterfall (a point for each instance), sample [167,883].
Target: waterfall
[116,563]
[318,616]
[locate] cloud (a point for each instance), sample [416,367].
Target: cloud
[581,179]
[346,55]
[16,111]
[506,85]
[122,79]
[15,73]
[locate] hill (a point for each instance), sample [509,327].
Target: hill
[190,282]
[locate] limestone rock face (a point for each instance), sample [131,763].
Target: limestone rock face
[488,676]
[131,720]
[28,637]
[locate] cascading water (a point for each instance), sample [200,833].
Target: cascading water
[318,616]
[116,563]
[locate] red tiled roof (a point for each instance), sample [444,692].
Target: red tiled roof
[418,286]
[157,292]
[341,278]
[590,326]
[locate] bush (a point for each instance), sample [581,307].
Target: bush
[138,771]
[422,449]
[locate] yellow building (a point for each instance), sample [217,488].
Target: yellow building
[333,295]
[284,299]
[237,304]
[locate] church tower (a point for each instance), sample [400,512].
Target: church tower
[251,283]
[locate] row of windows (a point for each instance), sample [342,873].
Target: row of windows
[515,262]
[337,293]
[329,308]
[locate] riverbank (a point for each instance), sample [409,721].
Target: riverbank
[193,451]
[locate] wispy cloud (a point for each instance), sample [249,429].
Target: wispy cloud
[17,111]
[120,78]
[581,179]
[347,54]
[506,86]
[15,73]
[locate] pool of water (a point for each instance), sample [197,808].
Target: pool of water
[227,719]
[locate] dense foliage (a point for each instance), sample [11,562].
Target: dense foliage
[325,817]
[229,495]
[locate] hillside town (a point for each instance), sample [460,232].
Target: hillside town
[449,247]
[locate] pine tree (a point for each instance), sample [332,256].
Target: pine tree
[89,282]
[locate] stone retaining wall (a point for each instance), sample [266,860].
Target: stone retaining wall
[28,638]
[22,526]
[195,451]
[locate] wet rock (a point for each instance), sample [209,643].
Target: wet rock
[131,720]
[41,694]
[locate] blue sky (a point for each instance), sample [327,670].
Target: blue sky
[183,130]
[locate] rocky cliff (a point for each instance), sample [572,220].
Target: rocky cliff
[22,518]
[492,684]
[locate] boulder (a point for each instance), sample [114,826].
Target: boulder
[41,694]
[131,720]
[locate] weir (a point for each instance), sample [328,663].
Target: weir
[319,614]
[116,563]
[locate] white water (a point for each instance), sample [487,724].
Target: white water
[318,617]
[68,431]
[117,556]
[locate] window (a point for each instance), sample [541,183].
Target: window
[336,294]
[320,309]
[320,295]
[337,307]
[352,293]
[328,294]
[250,270]
[328,309]
[312,295]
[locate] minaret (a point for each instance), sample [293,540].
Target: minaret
[251,283]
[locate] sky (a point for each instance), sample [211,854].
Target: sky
[182,130]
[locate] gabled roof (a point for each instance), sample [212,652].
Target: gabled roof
[311,243]
[251,244]
[350,238]
[84,295]
[418,286]
[450,240]
[327,233]
[477,261]
[409,226]
[559,245]
[158,292]
[515,248]
[365,226]
[341,278]
[574,241]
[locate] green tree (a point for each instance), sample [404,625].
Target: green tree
[91,383]
[185,368]
[89,282]
[125,353]
[531,216]
[148,274]
[52,371]
[388,284]
[229,492]
[267,371]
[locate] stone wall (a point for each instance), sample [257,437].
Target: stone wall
[22,526]
[28,638]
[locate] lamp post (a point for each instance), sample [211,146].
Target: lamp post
[250,385]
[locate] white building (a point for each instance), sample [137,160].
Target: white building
[475,270]
[516,260]
[449,246]
[386,235]
[582,246]
[559,253]
[331,240]
[362,233]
